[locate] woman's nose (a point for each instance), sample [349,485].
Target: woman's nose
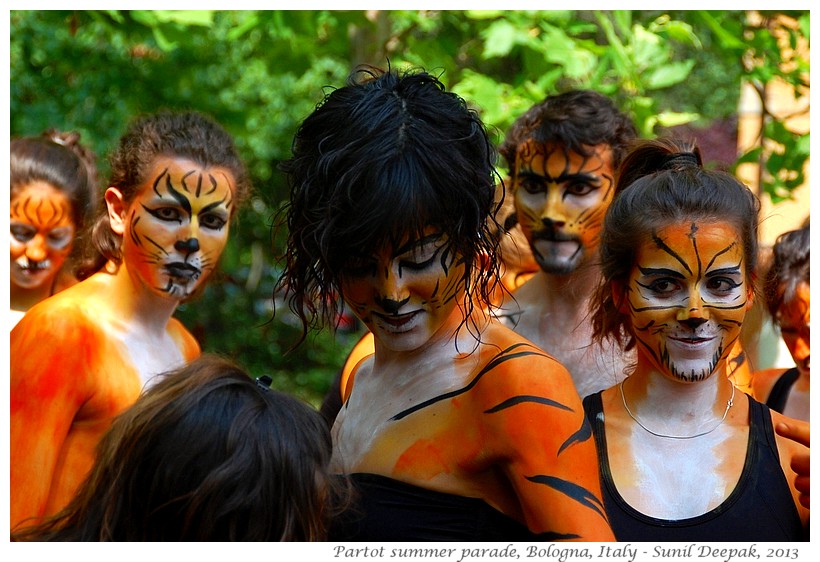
[36,249]
[188,246]
[391,293]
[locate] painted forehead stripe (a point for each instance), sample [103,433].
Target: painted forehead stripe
[181,199]
[662,246]
[34,215]
[211,178]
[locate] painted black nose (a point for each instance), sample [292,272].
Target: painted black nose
[390,306]
[188,246]
[693,323]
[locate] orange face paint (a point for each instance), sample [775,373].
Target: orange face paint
[42,232]
[561,198]
[687,296]
[405,295]
[794,318]
[177,226]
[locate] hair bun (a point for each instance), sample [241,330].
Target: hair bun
[680,160]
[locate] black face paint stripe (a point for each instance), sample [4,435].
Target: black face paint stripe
[184,177]
[662,245]
[156,182]
[180,198]
[161,249]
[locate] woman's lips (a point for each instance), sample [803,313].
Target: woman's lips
[692,342]
[397,321]
[182,270]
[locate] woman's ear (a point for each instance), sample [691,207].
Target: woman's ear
[116,209]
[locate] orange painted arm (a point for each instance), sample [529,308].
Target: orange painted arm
[536,422]
[49,384]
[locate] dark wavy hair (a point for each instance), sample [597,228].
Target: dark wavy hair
[188,135]
[790,266]
[576,120]
[379,159]
[662,182]
[59,159]
[206,454]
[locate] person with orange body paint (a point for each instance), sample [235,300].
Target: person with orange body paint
[81,357]
[685,456]
[788,298]
[455,428]
[53,193]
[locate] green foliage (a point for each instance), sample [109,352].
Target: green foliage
[259,73]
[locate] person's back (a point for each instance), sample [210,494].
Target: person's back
[206,454]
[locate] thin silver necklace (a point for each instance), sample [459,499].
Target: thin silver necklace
[708,431]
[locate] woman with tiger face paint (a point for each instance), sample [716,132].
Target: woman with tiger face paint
[53,190]
[788,299]
[684,456]
[81,357]
[455,428]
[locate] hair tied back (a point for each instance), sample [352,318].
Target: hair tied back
[681,160]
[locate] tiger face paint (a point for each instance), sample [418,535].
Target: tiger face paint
[687,296]
[794,318]
[175,229]
[42,234]
[405,295]
[561,198]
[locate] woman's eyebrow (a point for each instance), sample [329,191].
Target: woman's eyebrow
[660,271]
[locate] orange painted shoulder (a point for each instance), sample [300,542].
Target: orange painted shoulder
[363,348]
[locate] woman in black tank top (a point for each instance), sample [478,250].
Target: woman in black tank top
[684,455]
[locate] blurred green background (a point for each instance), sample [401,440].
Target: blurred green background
[259,73]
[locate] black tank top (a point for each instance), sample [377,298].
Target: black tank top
[389,510]
[759,509]
[780,391]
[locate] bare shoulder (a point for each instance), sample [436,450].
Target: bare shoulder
[520,364]
[763,381]
[56,315]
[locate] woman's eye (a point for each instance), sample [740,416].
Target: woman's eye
[214,222]
[663,286]
[532,185]
[59,239]
[168,214]
[418,264]
[580,188]
[721,284]
[22,233]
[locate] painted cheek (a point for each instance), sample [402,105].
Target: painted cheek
[16,249]
[798,347]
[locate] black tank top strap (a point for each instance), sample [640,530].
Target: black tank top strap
[780,391]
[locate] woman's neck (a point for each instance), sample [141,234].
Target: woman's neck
[672,407]
[132,302]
